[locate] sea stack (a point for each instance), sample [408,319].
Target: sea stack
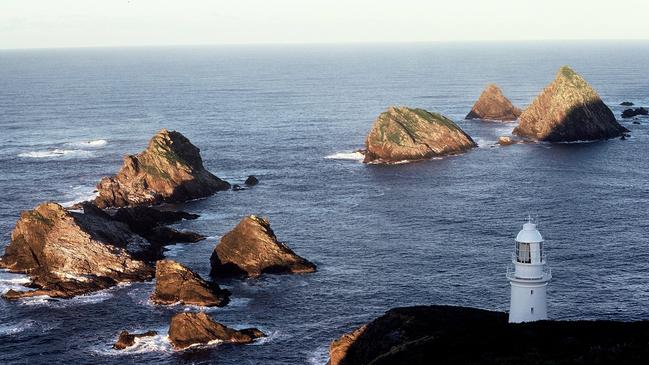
[407,134]
[176,283]
[568,109]
[251,249]
[69,253]
[190,329]
[169,170]
[493,105]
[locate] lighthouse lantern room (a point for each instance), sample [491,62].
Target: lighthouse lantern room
[529,277]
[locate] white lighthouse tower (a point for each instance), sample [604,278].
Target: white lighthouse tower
[529,277]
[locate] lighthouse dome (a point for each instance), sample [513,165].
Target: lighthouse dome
[529,234]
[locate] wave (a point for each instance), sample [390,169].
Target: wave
[80,193]
[355,156]
[157,343]
[56,153]
[12,281]
[319,357]
[9,329]
[45,300]
[96,143]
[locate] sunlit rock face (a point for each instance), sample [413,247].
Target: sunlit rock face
[568,109]
[169,170]
[68,253]
[252,249]
[493,105]
[407,134]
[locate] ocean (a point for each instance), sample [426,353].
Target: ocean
[433,232]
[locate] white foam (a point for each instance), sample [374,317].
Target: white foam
[12,281]
[97,143]
[8,329]
[354,156]
[157,343]
[80,193]
[484,143]
[45,300]
[56,153]
[319,357]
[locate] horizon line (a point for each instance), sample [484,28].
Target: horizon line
[325,43]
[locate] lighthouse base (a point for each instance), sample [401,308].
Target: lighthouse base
[528,302]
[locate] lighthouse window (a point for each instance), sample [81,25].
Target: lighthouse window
[523,252]
[531,291]
[532,310]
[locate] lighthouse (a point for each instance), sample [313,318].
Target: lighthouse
[529,277]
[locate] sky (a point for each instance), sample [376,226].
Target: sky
[94,23]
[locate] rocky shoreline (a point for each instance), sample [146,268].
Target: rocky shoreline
[121,237]
[460,335]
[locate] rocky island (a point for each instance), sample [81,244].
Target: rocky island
[567,110]
[191,329]
[493,105]
[176,283]
[251,249]
[631,112]
[458,335]
[407,134]
[69,253]
[169,170]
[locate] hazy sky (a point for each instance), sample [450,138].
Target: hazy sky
[75,23]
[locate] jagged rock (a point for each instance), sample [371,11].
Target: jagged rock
[630,113]
[425,335]
[126,340]
[568,109]
[150,223]
[493,105]
[340,347]
[406,134]
[626,103]
[251,249]
[188,329]
[635,122]
[169,170]
[505,140]
[176,283]
[236,187]
[251,181]
[68,253]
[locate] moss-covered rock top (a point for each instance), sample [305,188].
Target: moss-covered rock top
[402,133]
[170,169]
[568,109]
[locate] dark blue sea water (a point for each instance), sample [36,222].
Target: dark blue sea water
[435,232]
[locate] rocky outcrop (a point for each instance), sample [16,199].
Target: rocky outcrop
[150,223]
[169,170]
[68,253]
[126,340]
[568,109]
[505,140]
[251,181]
[251,249]
[493,105]
[176,283]
[626,103]
[630,113]
[457,335]
[340,347]
[406,134]
[190,329]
